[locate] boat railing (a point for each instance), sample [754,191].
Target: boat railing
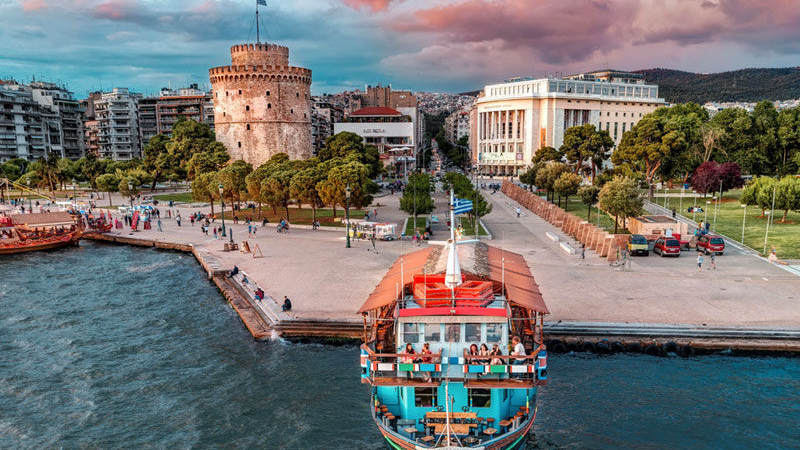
[452,302]
[531,367]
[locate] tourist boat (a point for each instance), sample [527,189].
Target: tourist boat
[37,233]
[451,297]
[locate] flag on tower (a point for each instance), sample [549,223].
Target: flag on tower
[461,206]
[261,2]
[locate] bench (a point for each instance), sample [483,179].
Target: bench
[567,248]
[551,236]
[457,428]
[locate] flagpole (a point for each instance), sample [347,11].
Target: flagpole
[258,31]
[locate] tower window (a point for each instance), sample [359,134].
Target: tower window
[291,111]
[305,116]
[298,94]
[248,126]
[240,144]
[269,105]
[224,114]
[247,108]
[240,92]
[267,93]
[226,93]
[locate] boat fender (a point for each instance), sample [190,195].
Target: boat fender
[671,347]
[687,351]
[572,346]
[654,350]
[617,347]
[602,347]
[588,347]
[634,347]
[557,346]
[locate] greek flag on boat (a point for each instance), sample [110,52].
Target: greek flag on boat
[461,206]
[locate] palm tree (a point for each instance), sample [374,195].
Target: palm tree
[50,171]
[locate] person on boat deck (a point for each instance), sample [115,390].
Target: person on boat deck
[473,351]
[496,351]
[287,304]
[426,350]
[233,272]
[484,351]
[408,351]
[519,350]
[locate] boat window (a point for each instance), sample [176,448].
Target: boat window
[472,332]
[480,398]
[425,397]
[411,333]
[433,332]
[494,332]
[452,332]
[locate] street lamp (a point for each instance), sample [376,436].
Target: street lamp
[744,216]
[705,219]
[222,203]
[30,200]
[130,192]
[347,192]
[74,191]
[716,207]
[766,232]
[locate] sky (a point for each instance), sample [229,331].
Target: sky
[422,45]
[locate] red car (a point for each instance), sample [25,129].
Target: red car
[667,247]
[711,244]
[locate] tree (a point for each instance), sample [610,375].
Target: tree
[233,179]
[108,183]
[585,143]
[529,177]
[66,170]
[547,176]
[588,196]
[129,186]
[789,138]
[787,195]
[713,177]
[90,167]
[567,184]
[416,199]
[212,159]
[647,144]
[345,144]
[205,188]
[546,154]
[620,198]
[275,189]
[353,174]
[303,187]
[48,169]
[153,151]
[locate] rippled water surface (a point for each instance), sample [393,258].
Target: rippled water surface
[107,347]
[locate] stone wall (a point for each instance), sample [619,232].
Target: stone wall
[262,105]
[594,238]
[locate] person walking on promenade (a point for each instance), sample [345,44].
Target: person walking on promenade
[713,261]
[178,219]
[191,219]
[700,263]
[249,231]
[583,251]
[159,226]
[519,211]
[215,234]
[255,229]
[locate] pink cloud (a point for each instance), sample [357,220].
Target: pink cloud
[373,5]
[33,5]
[116,9]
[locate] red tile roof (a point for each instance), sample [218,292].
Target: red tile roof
[376,111]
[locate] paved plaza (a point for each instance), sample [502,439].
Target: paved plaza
[326,280]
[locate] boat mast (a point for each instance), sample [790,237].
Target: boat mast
[452,277]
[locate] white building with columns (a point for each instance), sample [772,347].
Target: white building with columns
[516,118]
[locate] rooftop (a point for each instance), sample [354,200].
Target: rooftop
[376,111]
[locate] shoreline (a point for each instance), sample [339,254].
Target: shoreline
[264,320]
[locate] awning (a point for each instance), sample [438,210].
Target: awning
[50,219]
[386,291]
[520,285]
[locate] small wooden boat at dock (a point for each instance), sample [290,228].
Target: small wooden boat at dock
[36,232]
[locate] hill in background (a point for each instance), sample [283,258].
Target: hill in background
[745,85]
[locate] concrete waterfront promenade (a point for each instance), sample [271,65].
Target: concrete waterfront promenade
[327,282]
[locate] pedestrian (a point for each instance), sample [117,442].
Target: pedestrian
[249,231]
[178,219]
[519,211]
[699,263]
[255,228]
[713,261]
[583,251]
[375,213]
[159,226]
[673,213]
[191,219]
[215,234]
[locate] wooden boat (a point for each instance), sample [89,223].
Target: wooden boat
[16,237]
[449,398]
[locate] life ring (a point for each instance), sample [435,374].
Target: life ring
[687,351]
[557,346]
[616,347]
[654,350]
[671,347]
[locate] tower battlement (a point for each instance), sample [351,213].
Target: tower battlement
[260,54]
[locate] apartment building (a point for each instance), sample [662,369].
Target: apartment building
[158,114]
[117,120]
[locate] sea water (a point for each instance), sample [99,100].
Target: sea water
[112,347]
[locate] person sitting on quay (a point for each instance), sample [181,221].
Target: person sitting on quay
[287,304]
[259,294]
[233,272]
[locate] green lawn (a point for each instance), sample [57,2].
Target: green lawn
[468,226]
[579,209]
[784,236]
[182,197]
[421,224]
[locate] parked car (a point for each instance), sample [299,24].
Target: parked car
[638,245]
[667,246]
[709,244]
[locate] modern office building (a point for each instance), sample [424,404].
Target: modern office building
[116,115]
[391,131]
[516,118]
